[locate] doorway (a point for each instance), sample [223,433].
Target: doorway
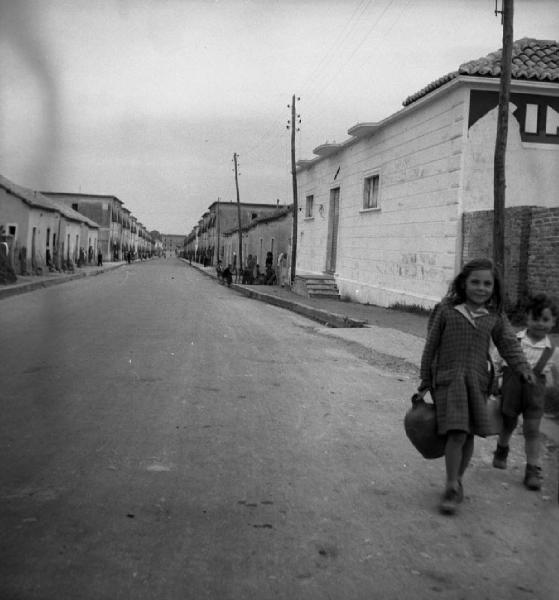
[333,220]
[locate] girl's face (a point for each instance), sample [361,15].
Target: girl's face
[479,287]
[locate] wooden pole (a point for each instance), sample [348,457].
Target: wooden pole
[294,180]
[240,265]
[499,183]
[218,232]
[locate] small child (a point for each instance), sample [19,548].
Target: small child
[455,365]
[519,398]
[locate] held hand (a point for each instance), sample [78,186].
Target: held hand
[423,389]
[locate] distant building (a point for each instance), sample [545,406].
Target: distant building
[172,244]
[106,211]
[119,230]
[38,232]
[204,243]
[269,233]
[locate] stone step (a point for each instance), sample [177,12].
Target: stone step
[321,284]
[325,282]
[324,294]
[314,285]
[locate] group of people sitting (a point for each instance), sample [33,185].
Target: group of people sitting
[251,274]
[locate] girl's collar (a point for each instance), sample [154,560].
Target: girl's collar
[471,315]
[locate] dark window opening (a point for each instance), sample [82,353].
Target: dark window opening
[537,115]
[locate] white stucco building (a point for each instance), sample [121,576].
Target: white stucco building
[382,211]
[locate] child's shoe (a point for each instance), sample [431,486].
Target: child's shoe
[533,477]
[500,457]
[450,501]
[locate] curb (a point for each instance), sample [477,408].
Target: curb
[23,288]
[317,314]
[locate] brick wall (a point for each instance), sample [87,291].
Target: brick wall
[531,248]
[543,258]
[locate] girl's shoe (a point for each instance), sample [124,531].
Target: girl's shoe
[533,477]
[500,457]
[450,501]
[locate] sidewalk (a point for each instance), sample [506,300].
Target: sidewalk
[28,283]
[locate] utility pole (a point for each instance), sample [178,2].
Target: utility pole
[295,118]
[218,232]
[240,266]
[499,183]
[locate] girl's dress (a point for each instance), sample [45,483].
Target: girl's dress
[456,366]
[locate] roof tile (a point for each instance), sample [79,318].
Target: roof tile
[531,59]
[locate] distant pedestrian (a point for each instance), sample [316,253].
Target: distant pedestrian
[269,260]
[227,275]
[455,365]
[518,398]
[99,259]
[282,269]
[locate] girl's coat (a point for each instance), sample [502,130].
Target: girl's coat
[456,367]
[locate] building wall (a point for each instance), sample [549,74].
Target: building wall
[172,243]
[531,172]
[405,251]
[228,221]
[98,209]
[273,236]
[89,237]
[543,254]
[69,240]
[531,248]
[14,211]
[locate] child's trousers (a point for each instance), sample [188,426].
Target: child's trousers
[520,398]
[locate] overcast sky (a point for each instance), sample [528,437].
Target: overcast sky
[148,100]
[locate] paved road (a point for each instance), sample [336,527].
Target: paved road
[165,437]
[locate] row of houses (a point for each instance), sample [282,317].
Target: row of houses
[393,212]
[265,228]
[41,230]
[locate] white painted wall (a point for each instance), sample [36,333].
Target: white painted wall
[532,170]
[405,251]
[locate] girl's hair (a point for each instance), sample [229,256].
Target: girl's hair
[457,289]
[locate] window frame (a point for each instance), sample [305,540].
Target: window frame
[309,204]
[370,177]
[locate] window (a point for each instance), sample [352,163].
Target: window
[552,122]
[75,206]
[531,122]
[541,121]
[371,192]
[309,204]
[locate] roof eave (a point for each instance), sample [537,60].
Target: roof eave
[481,83]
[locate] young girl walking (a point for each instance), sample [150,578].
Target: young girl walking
[456,366]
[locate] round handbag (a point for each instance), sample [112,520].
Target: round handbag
[420,423]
